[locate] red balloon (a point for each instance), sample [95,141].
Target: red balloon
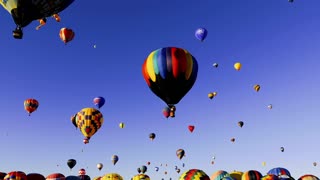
[66,35]
[191,128]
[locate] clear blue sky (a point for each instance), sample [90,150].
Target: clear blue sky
[277,43]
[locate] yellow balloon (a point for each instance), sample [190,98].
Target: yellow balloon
[121,125]
[89,121]
[236,175]
[237,66]
[140,177]
[256,87]
[112,176]
[263,163]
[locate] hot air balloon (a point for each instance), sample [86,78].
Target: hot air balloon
[121,125]
[66,35]
[270,106]
[156,168]
[139,170]
[152,136]
[218,175]
[170,73]
[2,175]
[263,163]
[99,101]
[82,171]
[15,175]
[24,12]
[256,87]
[143,169]
[279,171]
[89,122]
[308,177]
[114,159]
[191,128]
[73,120]
[148,163]
[212,95]
[232,139]
[140,177]
[55,176]
[72,178]
[237,66]
[178,170]
[166,112]
[71,163]
[112,176]
[194,174]
[251,175]
[99,166]
[180,153]
[201,34]
[215,65]
[84,177]
[240,124]
[269,177]
[236,175]
[314,163]
[282,149]
[35,176]
[30,105]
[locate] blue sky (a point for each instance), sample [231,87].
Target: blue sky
[276,42]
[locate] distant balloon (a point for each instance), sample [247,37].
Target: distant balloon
[263,163]
[99,166]
[139,170]
[180,153]
[66,35]
[270,106]
[71,163]
[256,87]
[152,136]
[121,125]
[212,95]
[94,46]
[191,128]
[232,139]
[114,159]
[148,163]
[178,170]
[99,101]
[30,105]
[240,124]
[143,169]
[201,34]
[314,164]
[282,149]
[237,66]
[215,65]
[82,172]
[156,168]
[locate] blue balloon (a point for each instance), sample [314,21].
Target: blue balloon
[201,34]
[99,101]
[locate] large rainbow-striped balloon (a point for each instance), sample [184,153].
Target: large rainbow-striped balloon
[194,174]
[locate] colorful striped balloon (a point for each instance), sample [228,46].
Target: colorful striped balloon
[219,175]
[278,171]
[270,177]
[170,73]
[15,175]
[194,174]
[251,175]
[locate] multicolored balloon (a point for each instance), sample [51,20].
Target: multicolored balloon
[251,175]
[30,105]
[55,176]
[180,153]
[89,122]
[114,159]
[66,35]
[194,174]
[170,73]
[15,175]
[218,175]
